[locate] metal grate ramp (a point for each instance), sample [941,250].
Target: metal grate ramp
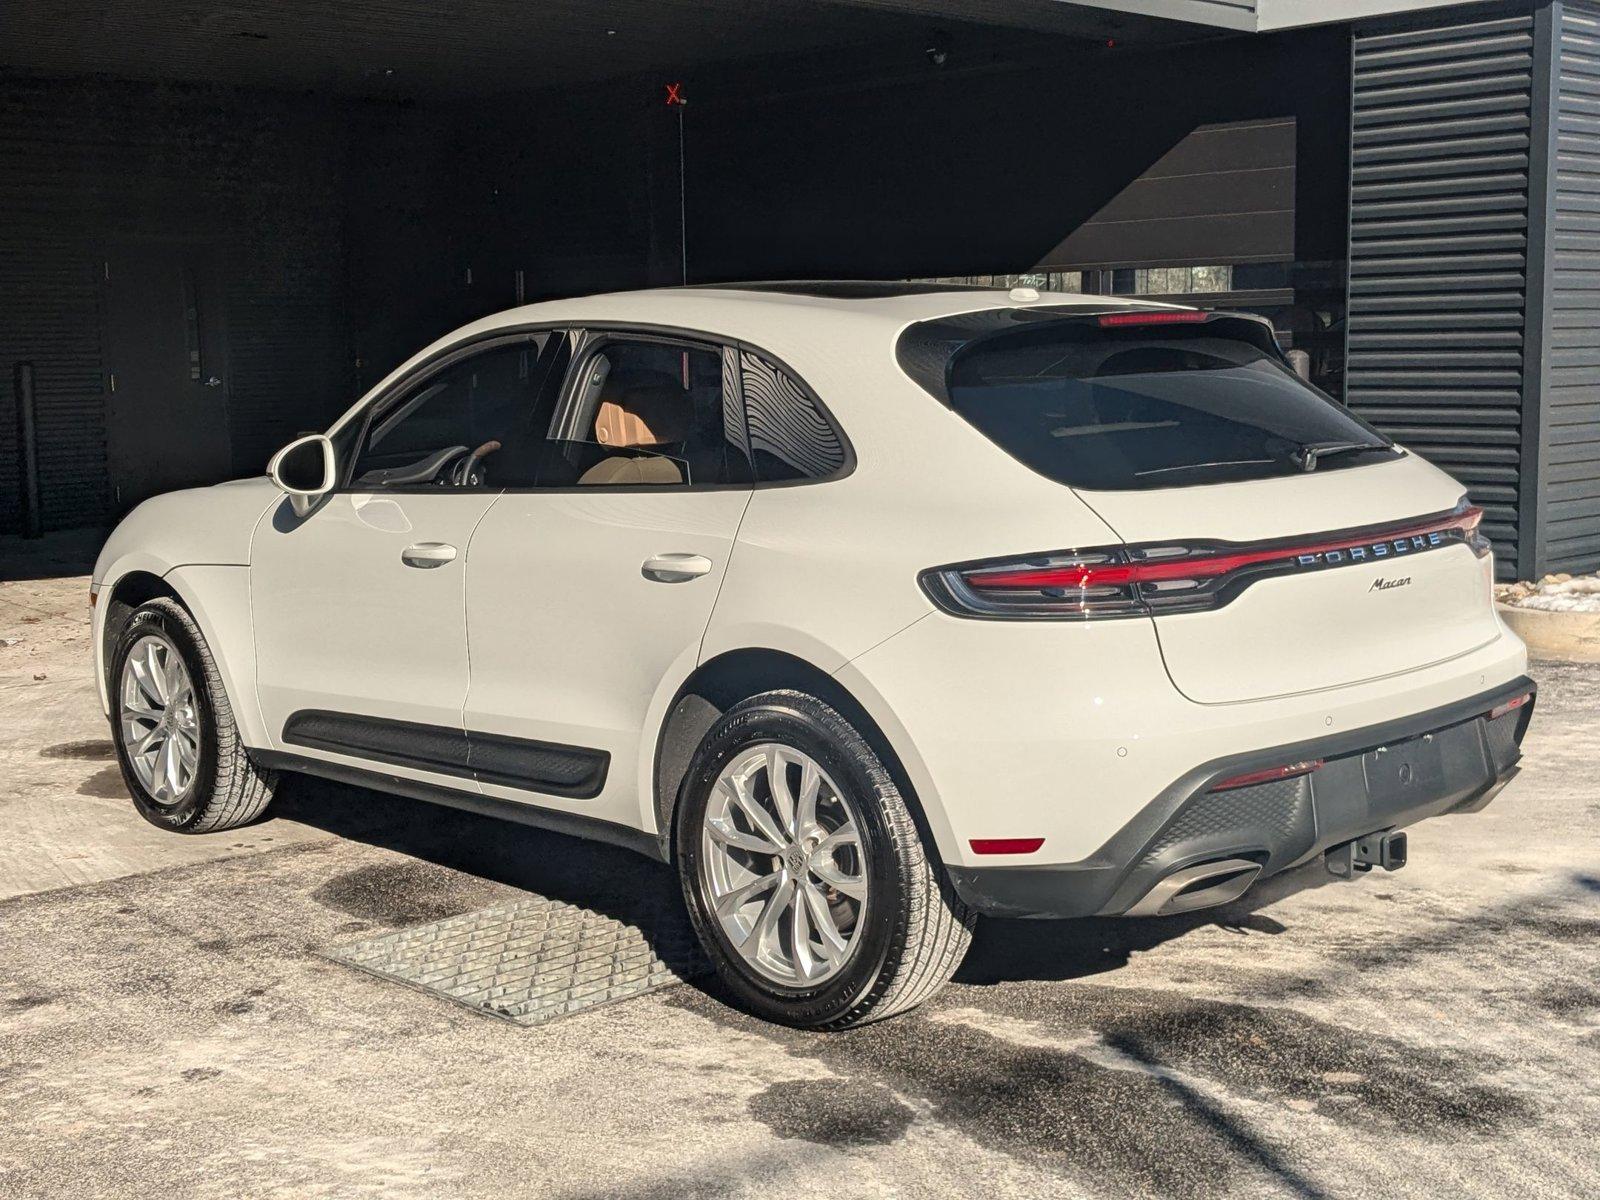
[533,960]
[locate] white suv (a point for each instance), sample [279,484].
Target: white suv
[869,607]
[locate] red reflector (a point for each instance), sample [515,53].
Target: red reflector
[1270,775]
[1500,710]
[1006,845]
[1155,317]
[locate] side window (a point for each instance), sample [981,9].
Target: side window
[479,422]
[790,438]
[647,414]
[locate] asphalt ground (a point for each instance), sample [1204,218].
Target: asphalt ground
[169,1027]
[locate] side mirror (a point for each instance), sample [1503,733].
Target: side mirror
[306,469]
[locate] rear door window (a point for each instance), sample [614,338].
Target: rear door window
[1148,406]
[647,412]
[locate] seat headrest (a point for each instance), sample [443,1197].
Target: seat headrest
[643,408]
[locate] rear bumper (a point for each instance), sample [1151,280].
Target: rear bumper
[1379,777]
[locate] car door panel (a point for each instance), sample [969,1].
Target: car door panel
[346,625]
[571,638]
[360,606]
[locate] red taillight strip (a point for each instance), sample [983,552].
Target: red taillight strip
[1155,317]
[1207,566]
[1006,845]
[1270,775]
[1500,710]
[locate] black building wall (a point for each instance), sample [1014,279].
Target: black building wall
[352,232]
[83,164]
[868,163]
[856,166]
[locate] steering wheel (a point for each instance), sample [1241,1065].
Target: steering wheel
[466,473]
[428,470]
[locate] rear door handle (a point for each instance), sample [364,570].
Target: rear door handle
[428,554]
[675,568]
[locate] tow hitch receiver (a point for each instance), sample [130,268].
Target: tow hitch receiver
[1386,850]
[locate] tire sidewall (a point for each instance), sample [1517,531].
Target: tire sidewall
[153,620]
[804,724]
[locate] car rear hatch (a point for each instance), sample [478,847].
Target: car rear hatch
[1322,583]
[1279,544]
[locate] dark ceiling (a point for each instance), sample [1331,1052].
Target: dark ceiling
[445,48]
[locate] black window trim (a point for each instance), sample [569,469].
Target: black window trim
[581,333]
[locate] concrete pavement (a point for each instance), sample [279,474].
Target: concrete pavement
[167,1026]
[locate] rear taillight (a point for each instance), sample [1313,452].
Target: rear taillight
[1156,578]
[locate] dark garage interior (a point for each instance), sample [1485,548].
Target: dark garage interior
[220,223]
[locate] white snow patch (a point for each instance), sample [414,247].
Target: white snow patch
[1554,593]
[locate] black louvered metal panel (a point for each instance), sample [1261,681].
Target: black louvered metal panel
[1440,160]
[1570,483]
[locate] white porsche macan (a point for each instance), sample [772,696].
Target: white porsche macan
[869,607]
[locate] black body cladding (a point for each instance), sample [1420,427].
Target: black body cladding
[570,771]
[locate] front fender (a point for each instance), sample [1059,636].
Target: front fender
[198,543]
[218,598]
[200,525]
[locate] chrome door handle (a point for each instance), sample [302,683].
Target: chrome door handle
[428,554]
[675,568]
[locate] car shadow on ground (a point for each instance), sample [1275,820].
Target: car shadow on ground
[605,879]
[630,888]
[1006,951]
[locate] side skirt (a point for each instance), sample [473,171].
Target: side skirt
[571,771]
[572,824]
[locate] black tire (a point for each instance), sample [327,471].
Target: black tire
[914,929]
[229,790]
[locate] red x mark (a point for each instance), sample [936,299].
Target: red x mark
[675,94]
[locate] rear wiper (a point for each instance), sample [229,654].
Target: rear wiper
[1311,453]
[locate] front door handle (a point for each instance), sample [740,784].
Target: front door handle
[675,568]
[428,554]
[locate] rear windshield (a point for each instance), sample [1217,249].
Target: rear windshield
[1151,407]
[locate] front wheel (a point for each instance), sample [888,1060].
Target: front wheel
[804,873]
[177,743]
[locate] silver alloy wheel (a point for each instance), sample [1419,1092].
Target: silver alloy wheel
[782,865]
[160,724]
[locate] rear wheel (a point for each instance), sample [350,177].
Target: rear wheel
[176,740]
[804,872]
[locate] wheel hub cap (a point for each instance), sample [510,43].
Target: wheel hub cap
[781,863]
[159,724]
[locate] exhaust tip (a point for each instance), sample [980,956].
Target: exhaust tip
[1204,885]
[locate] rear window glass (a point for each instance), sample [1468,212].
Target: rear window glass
[1150,407]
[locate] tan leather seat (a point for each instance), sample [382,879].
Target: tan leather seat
[619,469]
[637,413]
